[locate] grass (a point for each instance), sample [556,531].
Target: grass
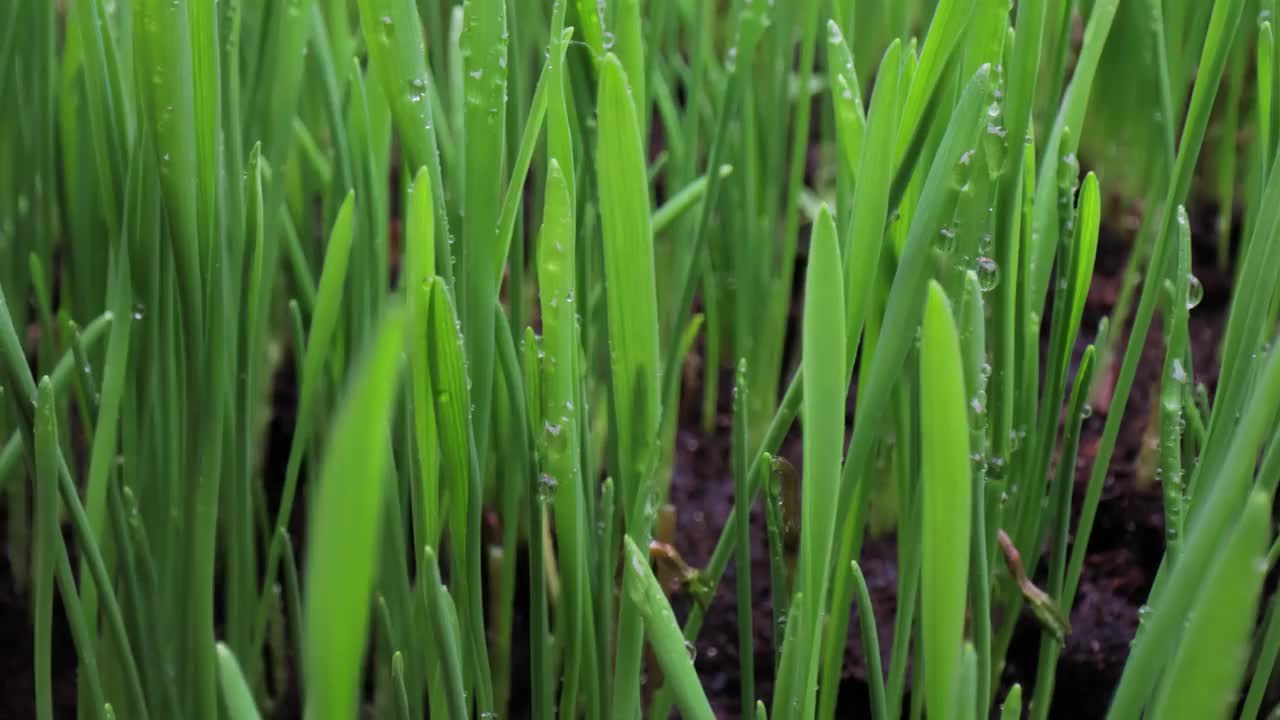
[484,238]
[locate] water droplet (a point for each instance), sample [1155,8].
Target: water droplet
[948,242]
[1178,371]
[608,40]
[988,274]
[138,311]
[552,429]
[692,649]
[995,468]
[1195,291]
[546,488]
[1086,410]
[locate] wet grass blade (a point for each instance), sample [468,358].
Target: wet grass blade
[484,52]
[1205,671]
[632,309]
[1219,507]
[674,655]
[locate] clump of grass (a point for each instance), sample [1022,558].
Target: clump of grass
[483,237]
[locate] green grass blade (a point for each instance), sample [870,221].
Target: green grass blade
[632,309]
[946,30]
[870,644]
[438,607]
[343,531]
[236,696]
[1210,661]
[419,269]
[825,377]
[946,490]
[558,429]
[484,53]
[664,634]
[742,505]
[905,302]
[459,467]
[393,34]
[1012,708]
[1218,508]
[48,538]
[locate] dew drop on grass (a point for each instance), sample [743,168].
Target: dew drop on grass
[546,489]
[948,242]
[138,311]
[1195,291]
[608,40]
[692,649]
[988,274]
[552,429]
[1086,411]
[1179,372]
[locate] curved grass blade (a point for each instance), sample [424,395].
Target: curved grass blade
[446,646]
[664,635]
[870,644]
